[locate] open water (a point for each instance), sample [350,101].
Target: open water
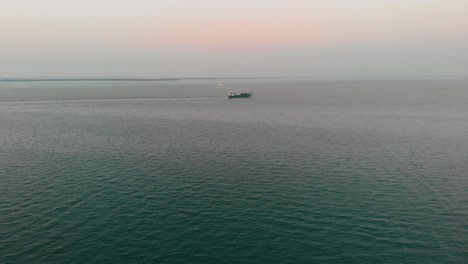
[174,172]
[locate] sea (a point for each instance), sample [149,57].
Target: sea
[304,171]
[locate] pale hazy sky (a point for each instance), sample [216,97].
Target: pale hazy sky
[198,38]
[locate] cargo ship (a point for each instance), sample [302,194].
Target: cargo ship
[238,95]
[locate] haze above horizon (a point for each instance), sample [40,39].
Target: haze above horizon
[168,39]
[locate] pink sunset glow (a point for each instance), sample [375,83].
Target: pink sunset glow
[232,34]
[306,37]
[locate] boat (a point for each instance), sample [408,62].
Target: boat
[239,95]
[222,84]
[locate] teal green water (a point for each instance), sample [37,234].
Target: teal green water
[174,172]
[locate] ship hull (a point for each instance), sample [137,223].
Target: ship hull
[241,95]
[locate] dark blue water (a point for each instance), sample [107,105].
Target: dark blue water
[173,172]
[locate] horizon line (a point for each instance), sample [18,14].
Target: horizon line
[318,78]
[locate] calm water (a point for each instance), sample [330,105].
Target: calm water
[173,172]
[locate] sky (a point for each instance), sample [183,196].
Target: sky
[242,38]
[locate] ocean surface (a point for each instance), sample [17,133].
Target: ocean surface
[174,172]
